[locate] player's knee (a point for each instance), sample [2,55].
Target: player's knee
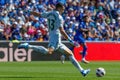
[85,47]
[50,50]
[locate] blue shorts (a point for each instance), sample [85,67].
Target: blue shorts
[79,39]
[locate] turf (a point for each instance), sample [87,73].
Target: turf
[54,70]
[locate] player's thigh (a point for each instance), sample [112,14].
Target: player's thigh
[65,50]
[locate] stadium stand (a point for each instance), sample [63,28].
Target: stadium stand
[103,21]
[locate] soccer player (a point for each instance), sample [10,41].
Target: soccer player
[55,26]
[79,38]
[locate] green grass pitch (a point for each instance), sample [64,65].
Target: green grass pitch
[54,70]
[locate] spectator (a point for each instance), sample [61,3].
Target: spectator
[31,30]
[39,36]
[7,31]
[36,23]
[15,32]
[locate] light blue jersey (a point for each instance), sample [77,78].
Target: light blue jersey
[55,21]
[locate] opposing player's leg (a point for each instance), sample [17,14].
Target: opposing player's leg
[40,49]
[82,43]
[68,52]
[83,53]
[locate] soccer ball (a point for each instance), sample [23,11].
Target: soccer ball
[100,72]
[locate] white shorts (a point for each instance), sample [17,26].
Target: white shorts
[60,47]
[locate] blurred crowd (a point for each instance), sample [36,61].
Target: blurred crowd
[102,18]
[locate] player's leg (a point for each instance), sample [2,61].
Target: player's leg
[40,49]
[84,52]
[62,57]
[82,43]
[68,52]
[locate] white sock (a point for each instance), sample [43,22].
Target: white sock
[75,63]
[40,49]
[83,58]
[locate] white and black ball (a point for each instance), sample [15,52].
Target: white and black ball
[100,72]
